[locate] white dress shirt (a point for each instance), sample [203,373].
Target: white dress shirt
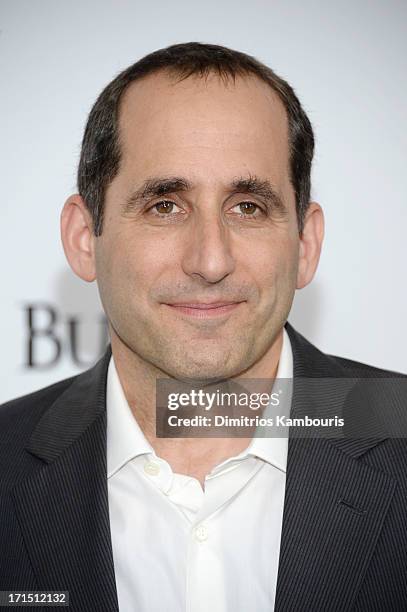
[179,548]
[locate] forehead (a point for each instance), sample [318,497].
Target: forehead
[203,121]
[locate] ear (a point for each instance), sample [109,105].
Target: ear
[77,237]
[310,244]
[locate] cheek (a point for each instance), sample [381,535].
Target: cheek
[136,271]
[274,264]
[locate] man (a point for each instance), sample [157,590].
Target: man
[194,217]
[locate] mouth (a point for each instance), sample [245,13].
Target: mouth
[203,310]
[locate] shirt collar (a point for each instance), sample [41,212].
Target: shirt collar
[125,439]
[273,450]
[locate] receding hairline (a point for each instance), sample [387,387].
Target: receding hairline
[176,76]
[173,77]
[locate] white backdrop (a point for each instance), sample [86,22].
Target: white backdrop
[347,62]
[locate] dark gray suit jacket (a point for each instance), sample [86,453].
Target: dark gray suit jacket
[344,536]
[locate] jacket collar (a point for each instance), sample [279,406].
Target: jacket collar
[72,413]
[323,387]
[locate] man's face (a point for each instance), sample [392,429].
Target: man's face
[201,213]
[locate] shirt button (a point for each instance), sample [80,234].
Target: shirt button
[201,533]
[152,469]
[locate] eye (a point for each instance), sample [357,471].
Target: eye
[249,209]
[164,207]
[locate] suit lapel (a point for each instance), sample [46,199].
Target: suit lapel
[63,506]
[334,507]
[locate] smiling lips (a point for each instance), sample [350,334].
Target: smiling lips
[202,310]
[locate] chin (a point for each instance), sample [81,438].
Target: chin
[204,371]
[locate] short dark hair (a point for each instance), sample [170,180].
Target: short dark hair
[100,155]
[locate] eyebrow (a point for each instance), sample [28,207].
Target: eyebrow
[155,187]
[262,188]
[160,186]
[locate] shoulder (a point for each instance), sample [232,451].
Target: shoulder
[377,390]
[363,369]
[310,361]
[19,416]
[18,420]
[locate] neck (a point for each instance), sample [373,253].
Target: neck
[191,456]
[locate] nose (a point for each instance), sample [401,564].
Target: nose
[208,254]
